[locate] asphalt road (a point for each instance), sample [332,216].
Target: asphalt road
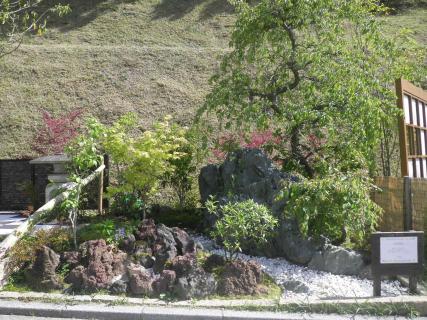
[4,317]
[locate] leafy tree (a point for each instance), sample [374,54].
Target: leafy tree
[318,73]
[336,206]
[85,150]
[18,17]
[142,161]
[182,178]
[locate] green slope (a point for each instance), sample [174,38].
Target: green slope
[153,57]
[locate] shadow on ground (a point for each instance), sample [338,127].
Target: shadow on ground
[83,12]
[176,9]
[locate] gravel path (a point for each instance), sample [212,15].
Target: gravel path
[310,283]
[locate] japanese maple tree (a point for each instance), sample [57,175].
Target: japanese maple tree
[56,132]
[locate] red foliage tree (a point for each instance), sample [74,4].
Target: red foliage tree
[230,142]
[56,132]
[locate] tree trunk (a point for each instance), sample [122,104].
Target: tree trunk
[297,154]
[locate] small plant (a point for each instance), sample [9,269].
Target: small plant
[336,206]
[63,270]
[85,156]
[103,230]
[239,223]
[16,282]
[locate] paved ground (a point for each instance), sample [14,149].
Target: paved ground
[9,220]
[240,317]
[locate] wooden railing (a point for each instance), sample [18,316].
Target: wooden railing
[40,215]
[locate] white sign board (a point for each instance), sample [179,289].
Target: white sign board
[398,250]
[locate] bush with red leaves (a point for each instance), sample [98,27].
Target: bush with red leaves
[230,142]
[56,132]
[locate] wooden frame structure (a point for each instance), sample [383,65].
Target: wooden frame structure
[412,129]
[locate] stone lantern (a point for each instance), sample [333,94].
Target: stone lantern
[59,175]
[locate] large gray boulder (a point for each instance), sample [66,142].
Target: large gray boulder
[338,260]
[164,248]
[198,284]
[250,174]
[292,245]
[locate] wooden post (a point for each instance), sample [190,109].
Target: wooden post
[412,284]
[33,182]
[377,285]
[402,130]
[100,192]
[106,202]
[407,204]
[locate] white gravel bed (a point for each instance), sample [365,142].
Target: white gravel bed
[317,284]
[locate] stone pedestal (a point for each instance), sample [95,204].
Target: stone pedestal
[59,175]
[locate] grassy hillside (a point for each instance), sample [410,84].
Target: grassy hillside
[150,56]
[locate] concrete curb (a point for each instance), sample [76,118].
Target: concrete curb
[103,312]
[117,303]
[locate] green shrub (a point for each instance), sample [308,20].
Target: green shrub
[191,218]
[112,231]
[240,223]
[127,204]
[337,206]
[23,253]
[142,160]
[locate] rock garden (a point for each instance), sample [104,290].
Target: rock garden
[240,238]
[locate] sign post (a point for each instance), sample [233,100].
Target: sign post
[397,253]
